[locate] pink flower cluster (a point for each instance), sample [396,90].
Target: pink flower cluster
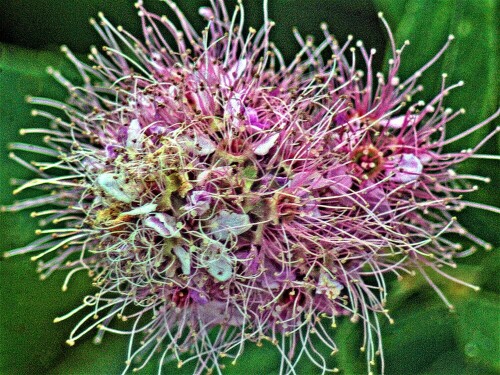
[207,183]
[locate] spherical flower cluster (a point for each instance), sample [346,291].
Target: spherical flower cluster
[202,182]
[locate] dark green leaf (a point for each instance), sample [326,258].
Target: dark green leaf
[473,56]
[417,338]
[349,358]
[428,339]
[30,342]
[393,10]
[479,330]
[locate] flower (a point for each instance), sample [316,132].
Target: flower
[204,184]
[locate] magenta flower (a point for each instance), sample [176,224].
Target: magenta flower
[206,184]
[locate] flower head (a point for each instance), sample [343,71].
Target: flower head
[206,184]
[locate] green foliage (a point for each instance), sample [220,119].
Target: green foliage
[473,56]
[30,342]
[478,330]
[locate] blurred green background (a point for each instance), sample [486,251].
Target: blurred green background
[426,338]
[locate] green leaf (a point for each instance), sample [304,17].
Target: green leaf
[428,339]
[393,10]
[344,17]
[30,342]
[88,358]
[479,330]
[109,358]
[48,24]
[473,56]
[350,359]
[417,338]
